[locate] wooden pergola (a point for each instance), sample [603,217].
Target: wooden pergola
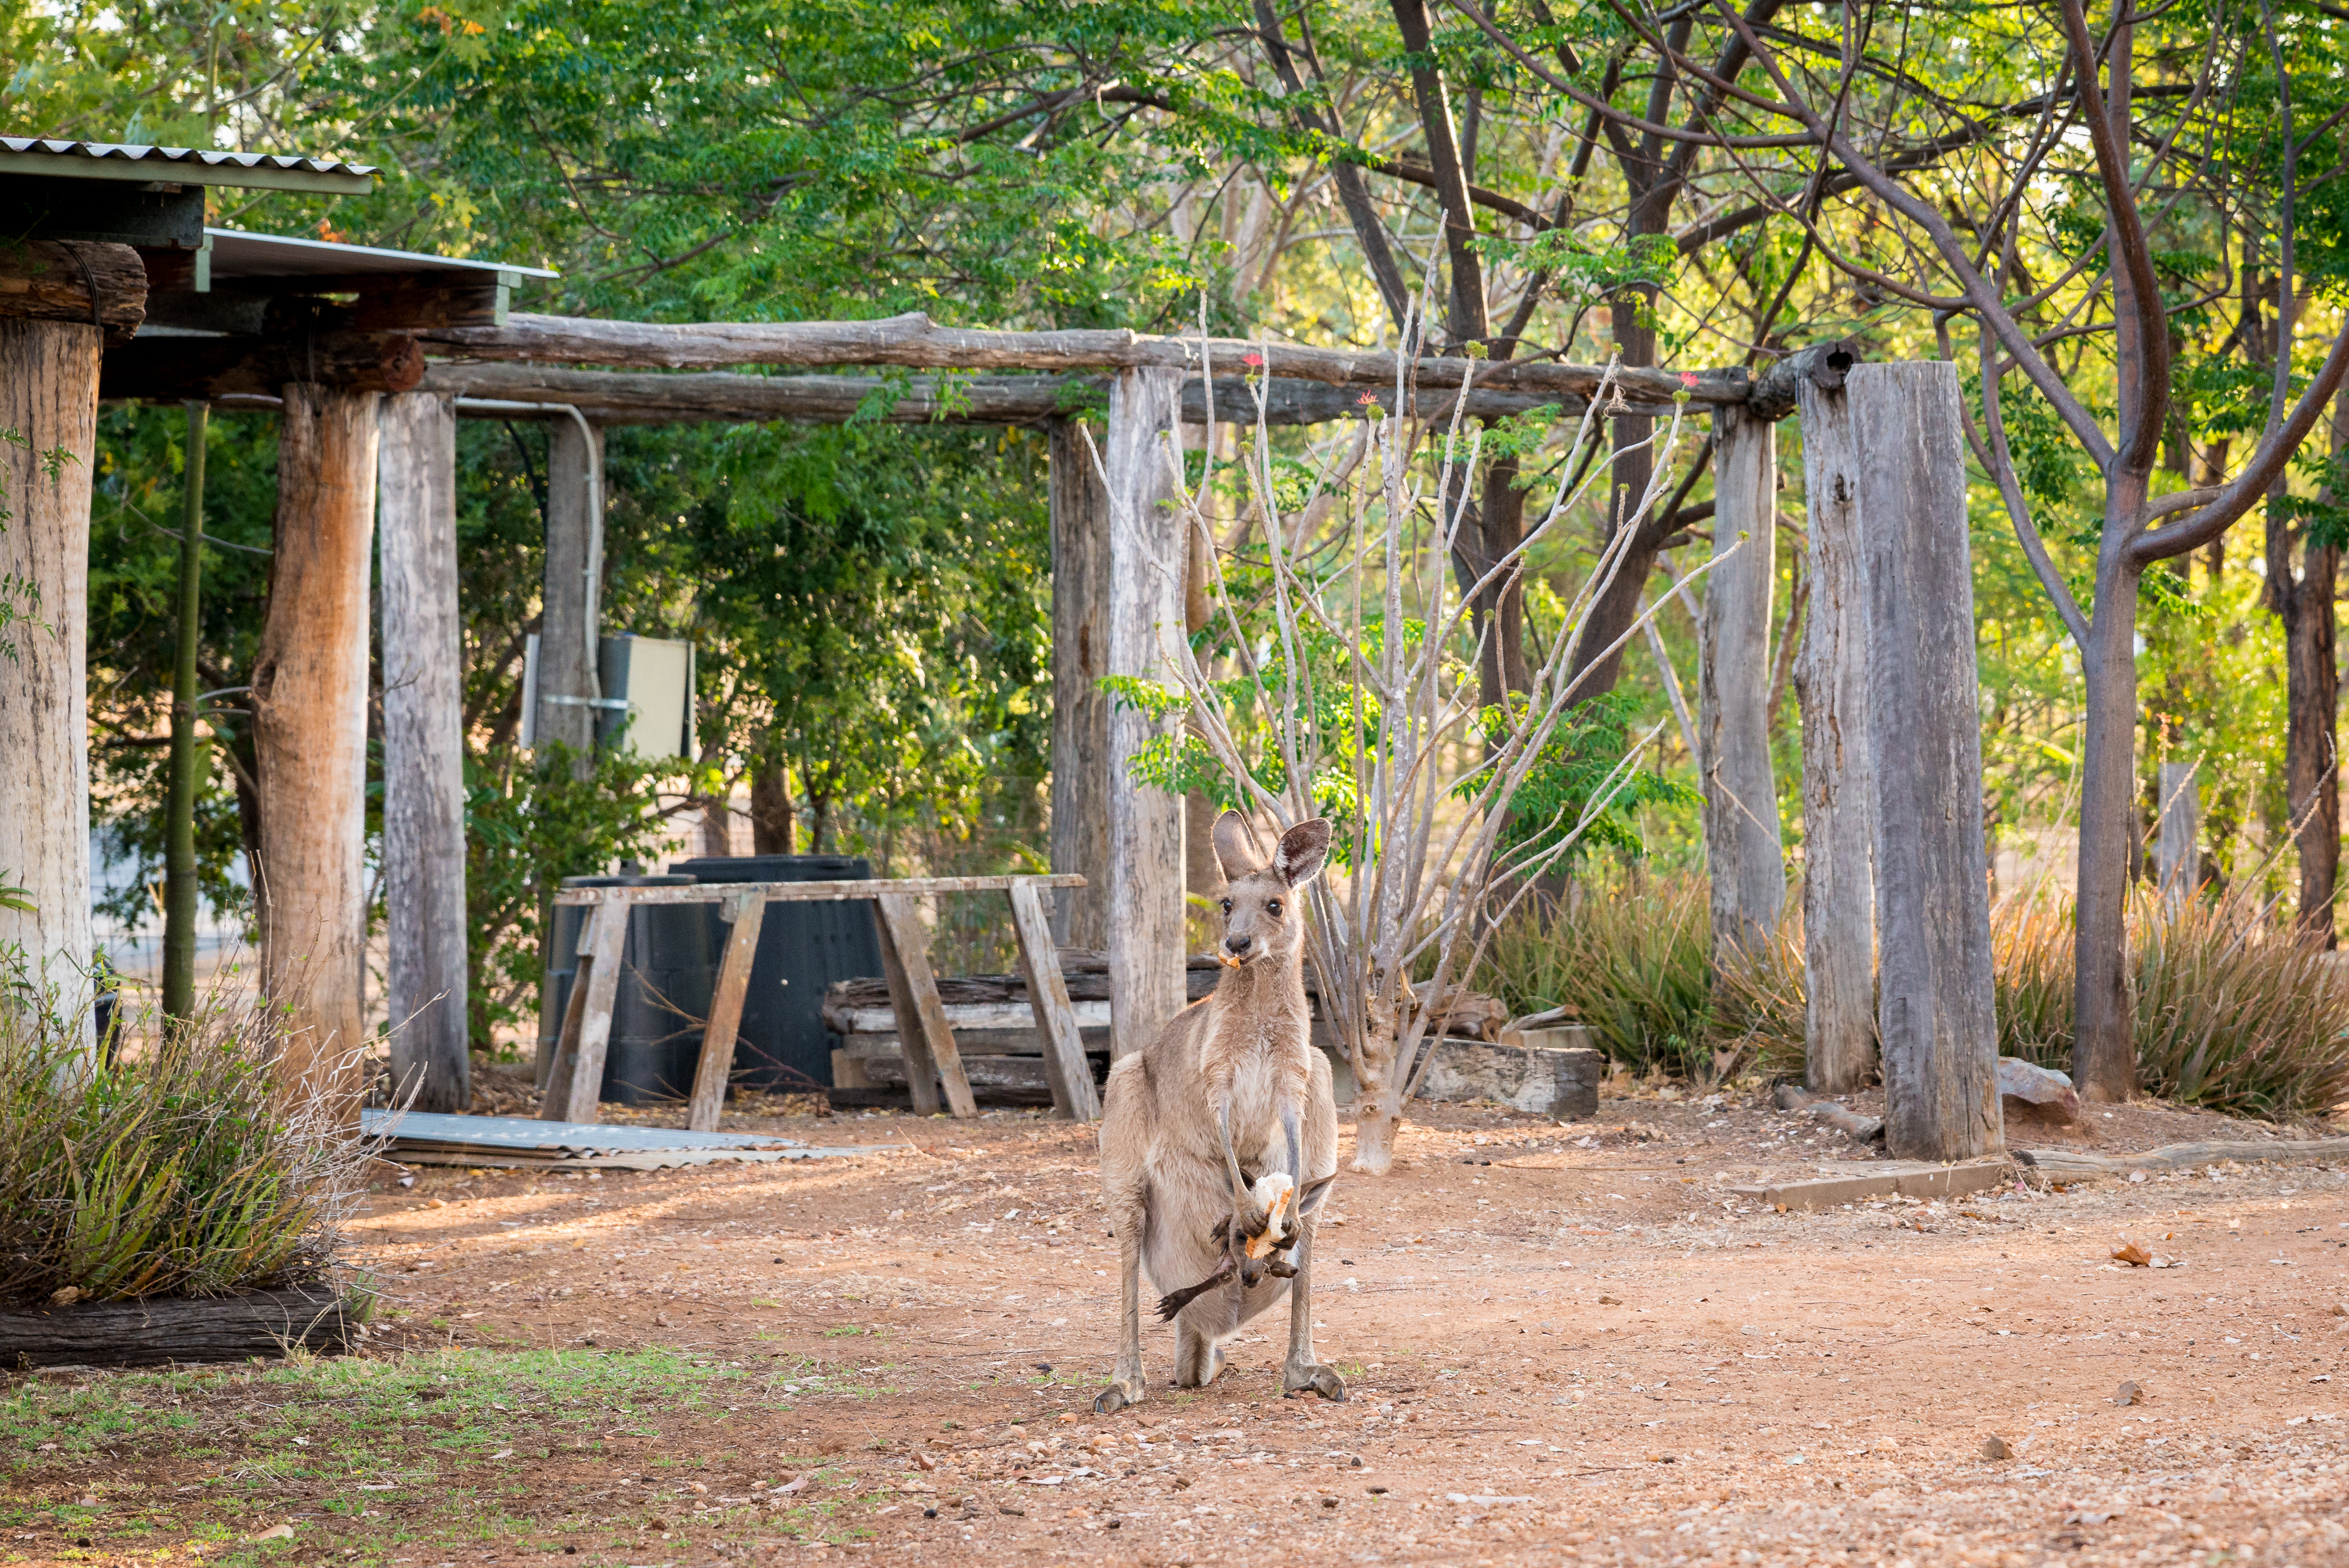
[371,357]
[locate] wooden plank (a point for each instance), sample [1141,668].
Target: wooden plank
[1839,837]
[805,892]
[912,339]
[902,936]
[1935,1014]
[1080,768]
[51,280]
[1074,1094]
[1904,1178]
[718,1035]
[1147,558]
[309,737]
[48,395]
[574,1084]
[1741,795]
[423,754]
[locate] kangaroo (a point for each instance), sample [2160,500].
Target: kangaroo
[1229,1091]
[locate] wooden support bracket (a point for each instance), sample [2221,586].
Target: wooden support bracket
[575,1082]
[922,1029]
[746,912]
[1065,1068]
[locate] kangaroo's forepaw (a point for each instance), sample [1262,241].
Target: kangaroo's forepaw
[1118,1396]
[1321,1380]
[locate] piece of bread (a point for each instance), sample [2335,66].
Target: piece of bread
[1274,1190]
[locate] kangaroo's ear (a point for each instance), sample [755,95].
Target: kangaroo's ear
[1302,849]
[1233,851]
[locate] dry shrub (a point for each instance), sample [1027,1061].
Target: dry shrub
[182,1170]
[2234,1011]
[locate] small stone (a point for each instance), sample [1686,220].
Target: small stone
[2128,1394]
[65,1296]
[1996,1448]
[1610,1301]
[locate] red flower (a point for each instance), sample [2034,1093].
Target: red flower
[1368,399]
[1251,358]
[1688,380]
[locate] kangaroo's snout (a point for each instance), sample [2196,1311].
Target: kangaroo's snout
[1236,944]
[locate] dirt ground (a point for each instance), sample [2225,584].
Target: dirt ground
[1563,1342]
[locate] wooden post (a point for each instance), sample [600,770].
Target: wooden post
[1741,796]
[1074,1094]
[48,406]
[1935,1013]
[1147,558]
[921,1016]
[2177,859]
[309,735]
[567,684]
[423,754]
[574,1079]
[1080,771]
[1838,845]
[745,912]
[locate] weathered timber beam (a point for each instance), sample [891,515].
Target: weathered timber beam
[57,280]
[615,397]
[180,370]
[915,341]
[1822,366]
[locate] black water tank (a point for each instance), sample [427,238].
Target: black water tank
[668,967]
[802,947]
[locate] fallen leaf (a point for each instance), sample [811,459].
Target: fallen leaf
[923,1462]
[799,1485]
[1996,1448]
[1610,1301]
[2128,1394]
[2135,1256]
[66,1296]
[274,1532]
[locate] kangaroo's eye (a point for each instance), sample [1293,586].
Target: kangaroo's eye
[1227,906]
[1272,907]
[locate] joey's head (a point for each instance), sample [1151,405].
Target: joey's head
[1262,898]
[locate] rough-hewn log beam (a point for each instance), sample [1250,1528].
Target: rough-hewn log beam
[620,397]
[57,280]
[916,341]
[179,369]
[1081,766]
[1741,798]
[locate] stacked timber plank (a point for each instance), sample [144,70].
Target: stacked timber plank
[419,1137]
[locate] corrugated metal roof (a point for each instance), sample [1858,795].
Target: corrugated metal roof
[183,165]
[236,253]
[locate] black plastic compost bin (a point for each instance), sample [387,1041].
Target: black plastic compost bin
[802,949]
[668,967]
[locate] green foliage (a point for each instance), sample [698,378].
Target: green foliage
[1579,780]
[186,1170]
[1628,962]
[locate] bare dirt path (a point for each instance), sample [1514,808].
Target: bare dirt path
[1564,1343]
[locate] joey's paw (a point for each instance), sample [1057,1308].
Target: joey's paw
[1250,1221]
[1322,1380]
[1117,1397]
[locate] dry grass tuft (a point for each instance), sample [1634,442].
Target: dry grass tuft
[183,1170]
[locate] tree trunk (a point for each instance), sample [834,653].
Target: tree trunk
[309,704]
[567,684]
[1080,768]
[771,824]
[1838,839]
[1741,800]
[1937,1015]
[1145,642]
[423,754]
[2104,1008]
[2303,601]
[48,400]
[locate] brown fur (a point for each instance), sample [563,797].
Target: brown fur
[1241,1057]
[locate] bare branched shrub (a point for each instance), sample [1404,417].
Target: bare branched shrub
[1346,687]
[184,1169]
